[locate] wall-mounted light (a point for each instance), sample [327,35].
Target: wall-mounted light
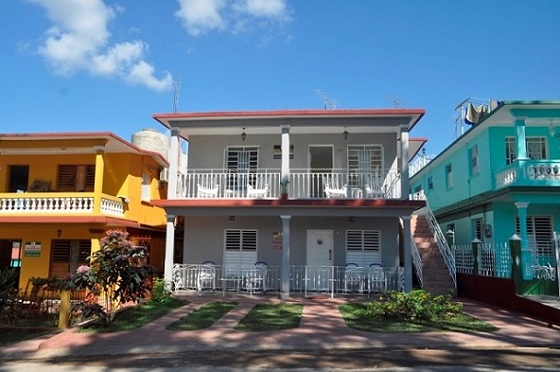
[350,218]
[124,199]
[243,135]
[232,218]
[59,233]
[345,134]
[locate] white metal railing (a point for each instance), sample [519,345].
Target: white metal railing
[304,184]
[331,280]
[494,259]
[440,240]
[417,262]
[32,203]
[418,163]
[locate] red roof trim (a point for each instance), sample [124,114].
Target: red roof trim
[226,203]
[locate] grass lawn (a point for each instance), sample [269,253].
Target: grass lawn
[355,317]
[28,326]
[271,317]
[202,317]
[11,335]
[136,317]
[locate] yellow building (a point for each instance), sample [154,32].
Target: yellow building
[60,192]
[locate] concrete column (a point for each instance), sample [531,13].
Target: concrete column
[174,154]
[169,249]
[526,256]
[405,183]
[407,253]
[285,277]
[285,170]
[98,186]
[520,139]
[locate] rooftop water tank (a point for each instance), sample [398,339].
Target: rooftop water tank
[152,140]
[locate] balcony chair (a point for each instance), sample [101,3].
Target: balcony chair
[255,278]
[372,193]
[353,277]
[206,276]
[376,279]
[336,193]
[207,192]
[253,193]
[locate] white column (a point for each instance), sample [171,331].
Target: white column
[407,253]
[169,249]
[285,170]
[405,184]
[174,154]
[285,277]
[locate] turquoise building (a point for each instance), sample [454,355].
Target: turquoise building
[500,179]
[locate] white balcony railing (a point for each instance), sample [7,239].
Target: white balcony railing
[331,280]
[209,184]
[57,203]
[529,173]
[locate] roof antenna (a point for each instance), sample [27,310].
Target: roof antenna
[176,91]
[327,101]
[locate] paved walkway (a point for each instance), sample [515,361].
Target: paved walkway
[322,327]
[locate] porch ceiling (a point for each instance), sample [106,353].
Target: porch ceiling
[300,121]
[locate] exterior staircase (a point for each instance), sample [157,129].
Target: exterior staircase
[436,277]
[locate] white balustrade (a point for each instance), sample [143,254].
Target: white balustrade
[46,204]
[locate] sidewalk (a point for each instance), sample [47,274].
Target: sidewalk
[322,327]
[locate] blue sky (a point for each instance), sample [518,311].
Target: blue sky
[101,65]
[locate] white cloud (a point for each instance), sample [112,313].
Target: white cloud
[79,40]
[202,16]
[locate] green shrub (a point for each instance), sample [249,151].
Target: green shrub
[160,292]
[414,305]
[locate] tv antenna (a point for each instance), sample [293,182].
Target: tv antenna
[327,101]
[395,102]
[176,91]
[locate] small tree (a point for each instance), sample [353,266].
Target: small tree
[118,273]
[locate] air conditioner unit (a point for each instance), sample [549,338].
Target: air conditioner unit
[164,175]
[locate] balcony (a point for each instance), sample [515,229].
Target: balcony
[529,173]
[55,203]
[302,184]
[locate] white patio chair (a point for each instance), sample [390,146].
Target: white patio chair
[353,278]
[253,193]
[336,193]
[376,279]
[373,193]
[256,277]
[207,192]
[206,276]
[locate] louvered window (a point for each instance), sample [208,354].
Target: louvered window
[363,247]
[478,227]
[474,160]
[536,149]
[67,255]
[365,165]
[75,178]
[539,234]
[240,247]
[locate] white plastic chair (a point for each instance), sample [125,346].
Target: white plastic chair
[253,193]
[206,276]
[376,279]
[353,277]
[207,192]
[256,277]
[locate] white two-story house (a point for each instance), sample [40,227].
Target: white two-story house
[304,191]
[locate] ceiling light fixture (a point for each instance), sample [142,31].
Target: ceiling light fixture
[243,135]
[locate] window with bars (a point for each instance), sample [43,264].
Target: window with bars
[478,229]
[75,178]
[242,164]
[539,234]
[536,149]
[473,155]
[448,176]
[365,164]
[363,247]
[240,247]
[67,255]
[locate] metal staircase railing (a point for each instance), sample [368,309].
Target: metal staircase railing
[440,240]
[416,261]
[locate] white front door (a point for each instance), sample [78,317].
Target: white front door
[319,259]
